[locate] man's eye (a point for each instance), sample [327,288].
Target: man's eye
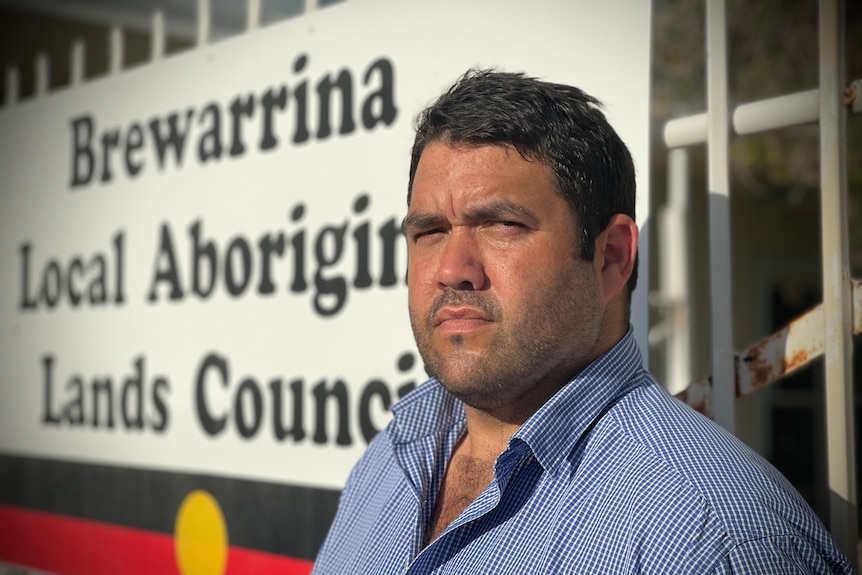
[426,233]
[507,225]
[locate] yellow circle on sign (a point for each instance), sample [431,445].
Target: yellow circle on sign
[200,536]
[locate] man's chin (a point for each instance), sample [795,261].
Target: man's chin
[476,395]
[470,382]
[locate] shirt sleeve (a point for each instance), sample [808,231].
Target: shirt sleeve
[783,555]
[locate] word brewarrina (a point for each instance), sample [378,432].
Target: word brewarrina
[98,156]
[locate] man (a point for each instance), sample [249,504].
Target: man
[540,445]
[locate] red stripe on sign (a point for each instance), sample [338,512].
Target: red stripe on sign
[242,561]
[70,546]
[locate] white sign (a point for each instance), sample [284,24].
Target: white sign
[203,269]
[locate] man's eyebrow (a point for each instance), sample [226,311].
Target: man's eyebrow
[421,221]
[500,210]
[496,210]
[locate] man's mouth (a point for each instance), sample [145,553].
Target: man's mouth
[452,319]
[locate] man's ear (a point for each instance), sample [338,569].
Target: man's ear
[615,253]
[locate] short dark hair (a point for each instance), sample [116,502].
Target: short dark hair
[558,125]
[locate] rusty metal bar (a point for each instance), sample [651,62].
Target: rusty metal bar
[698,396]
[790,348]
[794,346]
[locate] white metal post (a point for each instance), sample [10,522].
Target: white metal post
[252,21]
[77,62]
[723,367]
[204,22]
[837,287]
[675,273]
[115,50]
[43,74]
[157,35]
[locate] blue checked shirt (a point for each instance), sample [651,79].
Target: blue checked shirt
[611,475]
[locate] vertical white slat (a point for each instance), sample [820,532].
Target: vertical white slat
[837,287]
[204,22]
[13,85]
[718,128]
[157,35]
[310,5]
[115,50]
[77,59]
[252,21]
[675,272]
[43,73]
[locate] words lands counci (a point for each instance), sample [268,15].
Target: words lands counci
[245,405]
[97,156]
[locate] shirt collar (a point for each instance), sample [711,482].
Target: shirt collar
[427,410]
[553,432]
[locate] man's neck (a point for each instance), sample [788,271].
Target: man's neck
[488,433]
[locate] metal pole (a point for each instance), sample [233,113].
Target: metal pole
[837,289]
[77,62]
[43,74]
[157,35]
[750,118]
[116,57]
[675,272]
[723,367]
[204,22]
[252,20]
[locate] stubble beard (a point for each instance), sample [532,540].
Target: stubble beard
[514,359]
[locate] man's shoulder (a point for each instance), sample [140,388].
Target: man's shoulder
[702,454]
[679,457]
[665,474]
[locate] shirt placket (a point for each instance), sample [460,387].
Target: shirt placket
[505,472]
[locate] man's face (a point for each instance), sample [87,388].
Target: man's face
[501,308]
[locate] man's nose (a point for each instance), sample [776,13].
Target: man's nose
[461,266]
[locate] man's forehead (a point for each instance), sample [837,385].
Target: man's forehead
[485,165]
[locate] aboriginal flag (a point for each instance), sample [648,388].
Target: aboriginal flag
[72,518]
